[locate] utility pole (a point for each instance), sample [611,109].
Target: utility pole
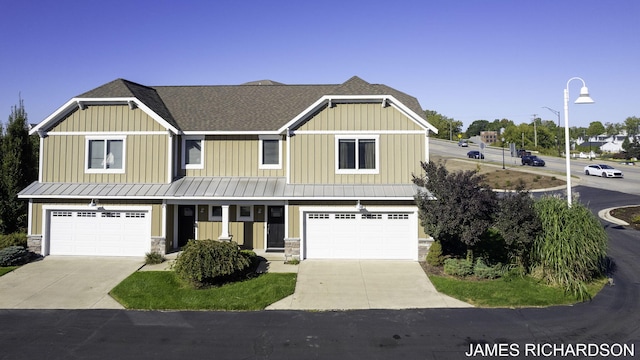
[535,132]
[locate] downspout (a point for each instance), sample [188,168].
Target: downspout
[288,170]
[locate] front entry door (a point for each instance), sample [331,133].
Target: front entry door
[275,227]
[186,224]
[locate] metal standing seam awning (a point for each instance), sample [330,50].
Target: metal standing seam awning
[222,188]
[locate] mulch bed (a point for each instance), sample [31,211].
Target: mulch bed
[628,214]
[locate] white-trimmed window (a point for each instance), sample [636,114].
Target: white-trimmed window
[193,152]
[215,213]
[357,154]
[269,152]
[105,154]
[245,212]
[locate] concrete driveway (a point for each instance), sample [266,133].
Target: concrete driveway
[363,284]
[66,282]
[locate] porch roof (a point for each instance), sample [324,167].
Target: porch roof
[222,188]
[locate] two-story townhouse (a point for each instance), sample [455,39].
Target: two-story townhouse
[318,171]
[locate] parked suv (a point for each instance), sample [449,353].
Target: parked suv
[532,160]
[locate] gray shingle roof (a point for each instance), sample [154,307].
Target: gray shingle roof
[256,106]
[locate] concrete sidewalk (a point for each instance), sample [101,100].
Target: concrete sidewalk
[363,284]
[66,282]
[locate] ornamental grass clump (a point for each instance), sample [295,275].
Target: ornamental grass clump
[204,263]
[571,248]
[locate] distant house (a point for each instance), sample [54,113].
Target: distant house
[317,171]
[489,137]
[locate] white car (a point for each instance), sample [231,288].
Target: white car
[602,170]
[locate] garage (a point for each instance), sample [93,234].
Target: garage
[99,233]
[361,235]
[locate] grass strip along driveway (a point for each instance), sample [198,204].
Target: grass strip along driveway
[513,291]
[163,290]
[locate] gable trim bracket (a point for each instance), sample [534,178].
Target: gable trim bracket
[332,100]
[82,103]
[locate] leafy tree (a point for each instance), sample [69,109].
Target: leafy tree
[461,209]
[633,149]
[595,128]
[518,224]
[632,124]
[476,127]
[447,127]
[18,169]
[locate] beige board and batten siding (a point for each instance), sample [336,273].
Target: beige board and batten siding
[235,155]
[401,145]
[145,160]
[37,220]
[146,154]
[248,234]
[106,118]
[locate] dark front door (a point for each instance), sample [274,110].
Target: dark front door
[275,227]
[186,224]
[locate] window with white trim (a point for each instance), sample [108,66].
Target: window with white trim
[357,154]
[193,152]
[105,154]
[245,212]
[216,213]
[269,152]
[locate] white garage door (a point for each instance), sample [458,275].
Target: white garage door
[361,235]
[102,233]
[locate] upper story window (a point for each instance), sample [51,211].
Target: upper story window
[357,154]
[105,154]
[269,152]
[192,153]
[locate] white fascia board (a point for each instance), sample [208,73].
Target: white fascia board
[195,132]
[76,103]
[63,110]
[209,199]
[345,98]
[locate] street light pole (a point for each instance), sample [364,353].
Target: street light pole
[584,98]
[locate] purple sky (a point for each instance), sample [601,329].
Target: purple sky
[466,59]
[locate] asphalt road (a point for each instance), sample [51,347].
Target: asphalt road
[611,319]
[554,166]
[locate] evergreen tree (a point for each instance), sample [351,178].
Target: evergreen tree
[18,169]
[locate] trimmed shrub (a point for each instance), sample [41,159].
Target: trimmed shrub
[14,256]
[210,262]
[484,271]
[434,256]
[153,258]
[15,239]
[458,267]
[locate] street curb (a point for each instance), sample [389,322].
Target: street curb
[605,214]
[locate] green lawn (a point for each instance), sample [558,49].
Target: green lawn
[163,290]
[7,269]
[512,292]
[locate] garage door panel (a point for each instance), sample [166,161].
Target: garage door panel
[100,233]
[361,236]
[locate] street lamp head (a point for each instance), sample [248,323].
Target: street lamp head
[584,97]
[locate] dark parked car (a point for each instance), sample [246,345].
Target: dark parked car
[532,160]
[475,154]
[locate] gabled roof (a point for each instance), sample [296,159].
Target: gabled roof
[259,106]
[121,88]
